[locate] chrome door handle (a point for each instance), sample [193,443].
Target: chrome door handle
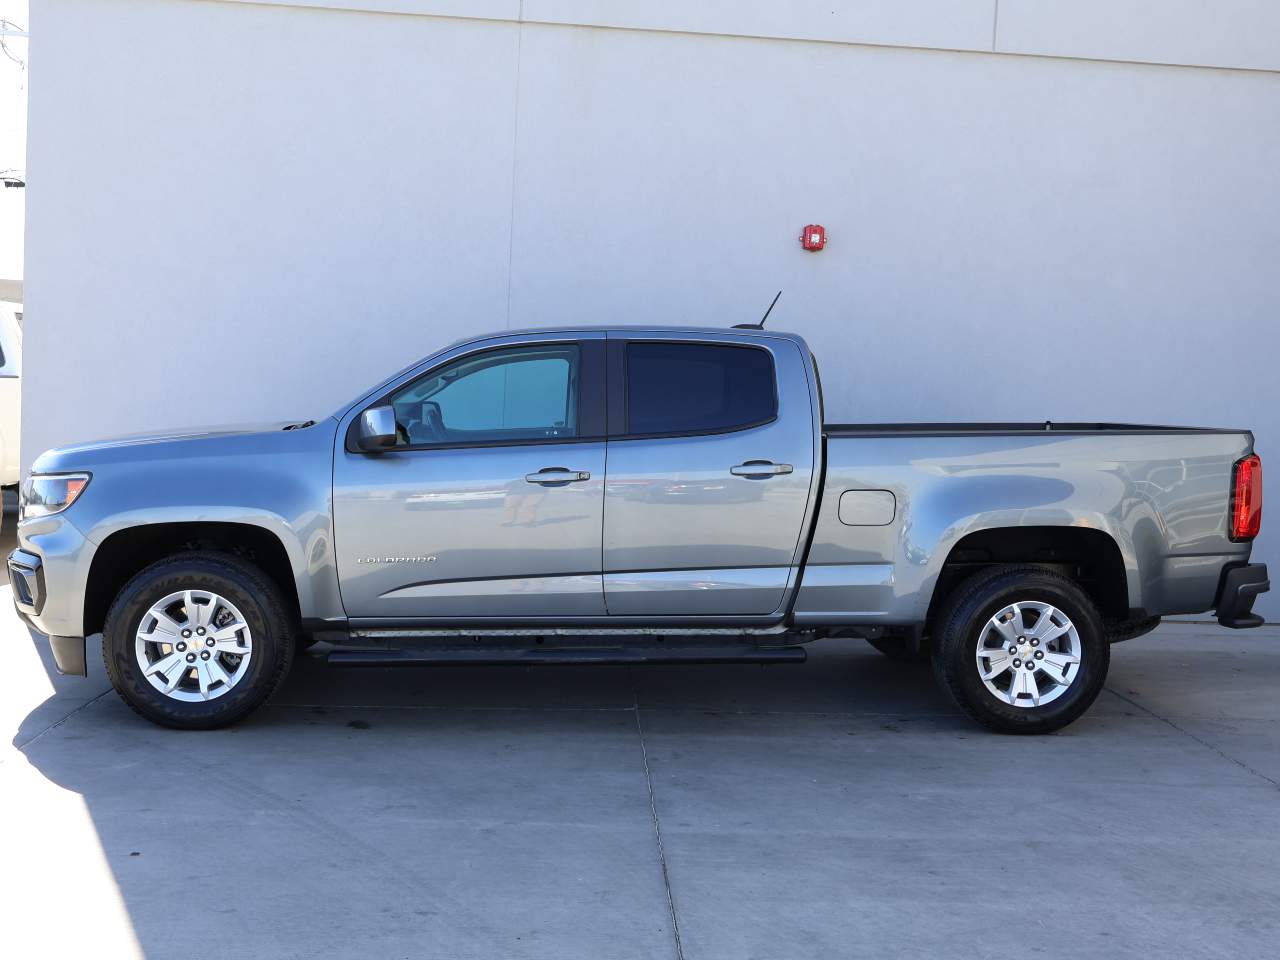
[556,476]
[760,469]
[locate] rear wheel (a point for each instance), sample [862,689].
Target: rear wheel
[1021,649]
[198,641]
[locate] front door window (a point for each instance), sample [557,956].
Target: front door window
[521,395]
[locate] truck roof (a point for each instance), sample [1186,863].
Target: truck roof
[675,330]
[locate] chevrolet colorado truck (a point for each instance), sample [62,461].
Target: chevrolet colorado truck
[648,495]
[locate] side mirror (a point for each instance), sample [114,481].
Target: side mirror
[377,430]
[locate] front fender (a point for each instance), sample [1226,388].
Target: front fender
[308,547]
[280,482]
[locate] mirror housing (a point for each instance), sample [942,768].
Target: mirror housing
[377,429]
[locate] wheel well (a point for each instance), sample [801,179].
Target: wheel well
[127,552]
[1090,557]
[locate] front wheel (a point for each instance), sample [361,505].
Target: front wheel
[1021,649]
[198,641]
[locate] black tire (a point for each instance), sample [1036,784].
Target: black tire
[896,648]
[240,582]
[962,621]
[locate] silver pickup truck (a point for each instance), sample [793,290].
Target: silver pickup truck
[630,496]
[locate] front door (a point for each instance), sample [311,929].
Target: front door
[491,505]
[711,460]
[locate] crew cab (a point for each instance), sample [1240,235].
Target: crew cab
[647,495]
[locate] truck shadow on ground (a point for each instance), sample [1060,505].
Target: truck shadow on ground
[842,676]
[488,812]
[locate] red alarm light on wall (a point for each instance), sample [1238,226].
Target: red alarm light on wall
[814,237]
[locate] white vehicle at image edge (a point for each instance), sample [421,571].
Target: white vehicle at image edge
[10,393]
[630,495]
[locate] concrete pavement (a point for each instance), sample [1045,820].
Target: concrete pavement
[836,809]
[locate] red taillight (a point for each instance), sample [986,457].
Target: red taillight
[1246,498]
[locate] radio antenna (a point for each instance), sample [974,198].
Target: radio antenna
[760,325]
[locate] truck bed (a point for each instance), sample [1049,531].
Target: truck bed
[898,499]
[994,429]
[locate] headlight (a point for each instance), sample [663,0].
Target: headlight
[45,494]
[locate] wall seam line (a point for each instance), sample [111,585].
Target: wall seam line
[995,25]
[979,50]
[515,158]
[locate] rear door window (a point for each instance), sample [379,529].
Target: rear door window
[692,388]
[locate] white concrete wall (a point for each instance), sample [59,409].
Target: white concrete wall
[243,211]
[13,141]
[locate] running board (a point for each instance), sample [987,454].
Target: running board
[535,656]
[586,629]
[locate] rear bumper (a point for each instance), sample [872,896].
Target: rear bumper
[1241,585]
[26,576]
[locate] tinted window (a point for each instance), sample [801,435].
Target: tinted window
[697,387]
[526,393]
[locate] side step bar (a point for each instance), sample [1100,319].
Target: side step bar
[464,657]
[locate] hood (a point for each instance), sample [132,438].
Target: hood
[162,436]
[225,439]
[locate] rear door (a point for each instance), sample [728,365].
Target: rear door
[490,507]
[710,467]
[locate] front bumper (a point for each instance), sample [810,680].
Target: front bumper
[1241,585]
[26,576]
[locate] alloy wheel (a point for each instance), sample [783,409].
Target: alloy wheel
[1029,654]
[193,645]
